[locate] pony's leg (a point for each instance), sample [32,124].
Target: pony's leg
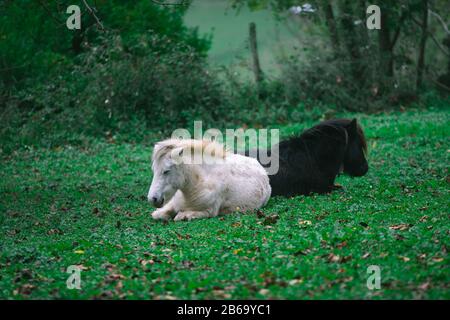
[169,210]
[190,215]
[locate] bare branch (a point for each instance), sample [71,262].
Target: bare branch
[397,31]
[432,37]
[440,20]
[438,44]
[181,3]
[441,85]
[92,12]
[50,13]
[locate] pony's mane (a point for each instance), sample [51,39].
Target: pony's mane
[337,124]
[163,148]
[318,132]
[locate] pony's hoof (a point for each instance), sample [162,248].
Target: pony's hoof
[160,215]
[181,216]
[186,216]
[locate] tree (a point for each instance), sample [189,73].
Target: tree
[423,43]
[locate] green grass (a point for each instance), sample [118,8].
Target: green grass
[73,206]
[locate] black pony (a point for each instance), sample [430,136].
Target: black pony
[310,163]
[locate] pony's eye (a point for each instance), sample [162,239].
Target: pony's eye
[166,172]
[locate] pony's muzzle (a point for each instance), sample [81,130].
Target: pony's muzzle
[157,202]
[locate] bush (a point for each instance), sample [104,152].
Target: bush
[330,81]
[166,83]
[156,83]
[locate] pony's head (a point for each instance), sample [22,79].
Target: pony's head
[173,161]
[355,162]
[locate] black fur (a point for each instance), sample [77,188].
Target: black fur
[310,163]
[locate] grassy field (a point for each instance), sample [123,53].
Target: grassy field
[87,207]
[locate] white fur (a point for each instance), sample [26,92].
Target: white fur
[231,183]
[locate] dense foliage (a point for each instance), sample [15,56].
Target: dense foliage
[35,43]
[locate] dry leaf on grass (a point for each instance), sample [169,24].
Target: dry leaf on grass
[401,226]
[405,259]
[272,219]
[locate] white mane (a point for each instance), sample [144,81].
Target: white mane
[191,147]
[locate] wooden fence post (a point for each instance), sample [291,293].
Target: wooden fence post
[254,50]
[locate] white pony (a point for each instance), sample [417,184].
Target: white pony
[221,182]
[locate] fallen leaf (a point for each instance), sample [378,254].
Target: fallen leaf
[221,294]
[263,292]
[260,214]
[146,262]
[305,222]
[272,219]
[166,297]
[346,259]
[424,286]
[293,282]
[54,231]
[341,245]
[400,227]
[79,251]
[236,251]
[188,264]
[25,289]
[405,259]
[302,252]
[119,285]
[333,257]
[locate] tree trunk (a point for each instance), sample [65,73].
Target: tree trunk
[444,79]
[254,50]
[351,40]
[362,7]
[331,25]
[77,40]
[422,46]
[384,40]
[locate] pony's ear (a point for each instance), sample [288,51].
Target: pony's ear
[352,126]
[176,155]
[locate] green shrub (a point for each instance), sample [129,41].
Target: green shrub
[330,81]
[157,84]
